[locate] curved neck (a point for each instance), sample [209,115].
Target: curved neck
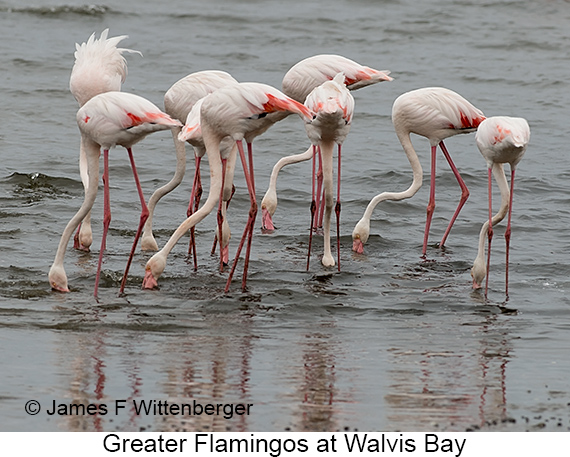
[501,179]
[284,161]
[412,156]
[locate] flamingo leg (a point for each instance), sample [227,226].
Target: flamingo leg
[106,218]
[252,215]
[220,216]
[337,210]
[320,208]
[431,203]
[464,193]
[193,205]
[248,231]
[508,233]
[227,203]
[144,216]
[489,235]
[313,206]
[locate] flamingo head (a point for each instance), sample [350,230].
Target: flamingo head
[58,279]
[153,269]
[83,238]
[268,207]
[360,236]
[478,272]
[267,220]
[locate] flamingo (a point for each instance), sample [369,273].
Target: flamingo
[106,120]
[241,111]
[435,113]
[333,106]
[178,102]
[192,133]
[297,83]
[501,140]
[99,67]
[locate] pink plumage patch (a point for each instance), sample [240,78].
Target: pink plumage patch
[278,104]
[467,123]
[136,120]
[502,133]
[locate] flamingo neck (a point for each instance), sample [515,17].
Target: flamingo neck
[500,178]
[417,171]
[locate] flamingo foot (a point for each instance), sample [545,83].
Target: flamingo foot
[267,221]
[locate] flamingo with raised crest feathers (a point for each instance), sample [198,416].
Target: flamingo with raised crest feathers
[99,67]
[435,113]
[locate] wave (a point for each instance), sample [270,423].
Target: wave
[84,10]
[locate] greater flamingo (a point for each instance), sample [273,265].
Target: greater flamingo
[178,102]
[435,113]
[241,111]
[501,140]
[192,133]
[107,120]
[333,106]
[297,83]
[99,67]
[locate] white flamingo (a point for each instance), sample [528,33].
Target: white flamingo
[333,106]
[178,102]
[435,113]
[99,67]
[241,111]
[501,140]
[107,120]
[297,83]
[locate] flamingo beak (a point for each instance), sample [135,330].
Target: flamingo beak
[267,221]
[358,246]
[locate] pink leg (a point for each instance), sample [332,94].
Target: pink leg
[220,217]
[464,193]
[313,205]
[320,207]
[252,215]
[106,218]
[508,232]
[321,210]
[431,203]
[248,231]
[193,205]
[215,243]
[337,210]
[489,235]
[143,218]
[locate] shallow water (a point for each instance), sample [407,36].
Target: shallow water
[392,342]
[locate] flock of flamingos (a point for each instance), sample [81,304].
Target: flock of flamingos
[215,113]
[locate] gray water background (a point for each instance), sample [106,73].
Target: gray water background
[392,343]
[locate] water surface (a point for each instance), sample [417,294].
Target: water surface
[392,342]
